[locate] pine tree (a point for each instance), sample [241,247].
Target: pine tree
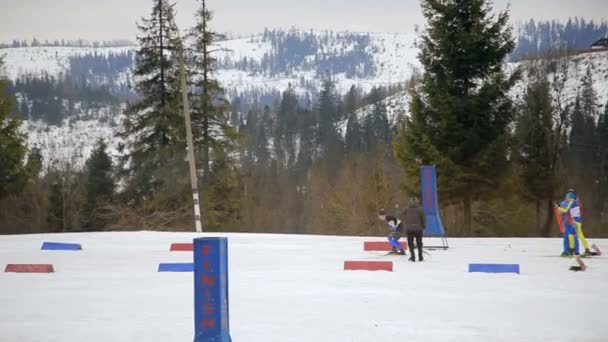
[34,162]
[210,116]
[154,123]
[461,112]
[55,217]
[286,128]
[602,157]
[328,139]
[222,206]
[351,102]
[307,124]
[210,109]
[537,154]
[13,173]
[262,151]
[355,135]
[591,111]
[582,146]
[380,131]
[99,185]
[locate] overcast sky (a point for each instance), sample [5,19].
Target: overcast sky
[115,19]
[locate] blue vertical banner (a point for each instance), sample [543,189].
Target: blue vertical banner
[434,226]
[211,314]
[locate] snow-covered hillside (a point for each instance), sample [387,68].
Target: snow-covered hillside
[576,69]
[394,56]
[292,288]
[70,144]
[49,60]
[575,72]
[394,61]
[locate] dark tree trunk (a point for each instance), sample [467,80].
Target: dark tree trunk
[546,229]
[468,215]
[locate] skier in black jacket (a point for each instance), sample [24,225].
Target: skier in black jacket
[415,223]
[396,227]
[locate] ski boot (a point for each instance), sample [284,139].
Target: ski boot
[587,253]
[420,257]
[412,258]
[393,251]
[401,252]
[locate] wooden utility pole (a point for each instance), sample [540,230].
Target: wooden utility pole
[191,161]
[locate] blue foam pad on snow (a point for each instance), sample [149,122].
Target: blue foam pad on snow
[60,246]
[180,267]
[494,268]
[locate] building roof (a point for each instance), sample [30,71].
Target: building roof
[601,42]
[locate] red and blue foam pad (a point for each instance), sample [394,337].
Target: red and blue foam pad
[176,267]
[494,268]
[181,247]
[61,246]
[368,266]
[29,268]
[380,246]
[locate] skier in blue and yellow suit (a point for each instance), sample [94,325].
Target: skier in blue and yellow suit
[573,225]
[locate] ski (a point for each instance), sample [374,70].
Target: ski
[591,256]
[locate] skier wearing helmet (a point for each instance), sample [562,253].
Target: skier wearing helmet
[396,227]
[573,223]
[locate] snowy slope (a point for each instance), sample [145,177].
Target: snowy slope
[70,144]
[293,289]
[395,58]
[398,104]
[48,59]
[576,70]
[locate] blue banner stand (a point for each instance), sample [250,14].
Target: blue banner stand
[211,311]
[430,204]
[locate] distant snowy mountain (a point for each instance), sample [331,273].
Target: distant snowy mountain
[264,63]
[48,60]
[398,104]
[260,63]
[253,70]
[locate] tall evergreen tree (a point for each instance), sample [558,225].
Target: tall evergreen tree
[34,162]
[210,115]
[537,153]
[13,173]
[262,133]
[328,138]
[223,200]
[352,100]
[355,135]
[379,132]
[210,108]
[602,134]
[286,128]
[461,112]
[307,125]
[585,149]
[582,144]
[99,185]
[154,123]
